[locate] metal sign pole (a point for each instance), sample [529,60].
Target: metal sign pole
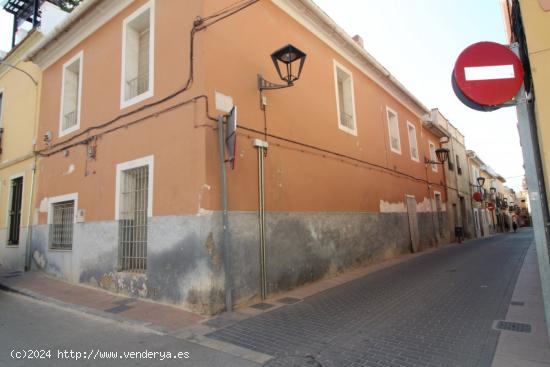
[225,220]
[537,194]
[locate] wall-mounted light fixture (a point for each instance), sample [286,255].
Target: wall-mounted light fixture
[442,155]
[289,62]
[480,181]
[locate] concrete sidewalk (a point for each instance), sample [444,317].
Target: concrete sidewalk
[40,286]
[525,349]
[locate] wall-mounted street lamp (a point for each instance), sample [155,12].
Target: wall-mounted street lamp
[289,62]
[442,155]
[493,190]
[480,181]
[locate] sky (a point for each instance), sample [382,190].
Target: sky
[418,41]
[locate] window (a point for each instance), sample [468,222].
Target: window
[14,214]
[1,105]
[138,56]
[61,219]
[345,101]
[433,156]
[134,206]
[458,168]
[62,225]
[412,141]
[393,128]
[71,91]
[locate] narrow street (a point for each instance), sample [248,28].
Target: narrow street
[436,310]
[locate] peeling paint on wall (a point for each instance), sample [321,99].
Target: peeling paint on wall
[70,170]
[388,207]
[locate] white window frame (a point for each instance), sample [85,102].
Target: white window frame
[10,193]
[342,127]
[388,110]
[79,55]
[433,157]
[2,104]
[59,199]
[150,92]
[140,162]
[417,158]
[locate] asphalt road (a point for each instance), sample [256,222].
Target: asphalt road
[436,310]
[27,325]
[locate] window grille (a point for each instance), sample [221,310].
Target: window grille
[61,227]
[132,238]
[15,210]
[69,120]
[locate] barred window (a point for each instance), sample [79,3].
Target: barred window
[61,226]
[133,214]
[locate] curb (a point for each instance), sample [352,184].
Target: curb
[78,308]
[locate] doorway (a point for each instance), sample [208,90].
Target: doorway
[413,223]
[16,198]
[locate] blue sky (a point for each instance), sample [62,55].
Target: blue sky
[418,41]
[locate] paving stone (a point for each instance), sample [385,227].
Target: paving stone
[429,311]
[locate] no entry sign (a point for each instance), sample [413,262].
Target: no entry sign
[488,74]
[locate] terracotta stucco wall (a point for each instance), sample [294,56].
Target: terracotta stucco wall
[535,22]
[175,138]
[300,178]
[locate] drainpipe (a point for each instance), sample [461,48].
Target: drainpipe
[29,218]
[262,148]
[225,245]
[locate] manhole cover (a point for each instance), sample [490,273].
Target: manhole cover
[262,306]
[513,326]
[118,309]
[293,361]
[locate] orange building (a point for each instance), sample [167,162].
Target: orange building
[129,181]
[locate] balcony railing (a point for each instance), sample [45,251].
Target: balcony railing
[346,120]
[137,86]
[69,120]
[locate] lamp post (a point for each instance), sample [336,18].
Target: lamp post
[289,63]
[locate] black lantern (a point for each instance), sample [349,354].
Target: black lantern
[286,57]
[289,62]
[493,190]
[442,154]
[481,181]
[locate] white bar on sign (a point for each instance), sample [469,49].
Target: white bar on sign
[489,72]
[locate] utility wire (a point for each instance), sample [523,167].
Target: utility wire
[198,25]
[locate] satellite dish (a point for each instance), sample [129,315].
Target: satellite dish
[231,136]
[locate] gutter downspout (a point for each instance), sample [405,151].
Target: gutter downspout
[29,218]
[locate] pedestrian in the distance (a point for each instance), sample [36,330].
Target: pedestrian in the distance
[515,226]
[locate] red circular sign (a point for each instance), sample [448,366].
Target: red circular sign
[477,196]
[488,73]
[491,206]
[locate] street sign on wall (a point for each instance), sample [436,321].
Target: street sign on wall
[487,74]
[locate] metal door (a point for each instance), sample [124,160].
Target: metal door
[413,223]
[15,210]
